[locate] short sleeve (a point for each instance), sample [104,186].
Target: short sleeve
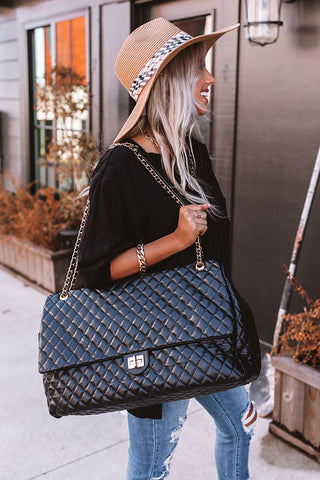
[109,229]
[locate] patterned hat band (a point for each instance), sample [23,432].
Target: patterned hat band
[154,63]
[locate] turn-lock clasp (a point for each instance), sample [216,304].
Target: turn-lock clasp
[136,361]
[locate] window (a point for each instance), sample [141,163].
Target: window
[59,102]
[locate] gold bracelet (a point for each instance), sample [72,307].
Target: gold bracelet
[141,259]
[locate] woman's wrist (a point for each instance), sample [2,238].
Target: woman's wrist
[180,241]
[163,248]
[127,263]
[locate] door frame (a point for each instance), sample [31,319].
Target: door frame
[225,13]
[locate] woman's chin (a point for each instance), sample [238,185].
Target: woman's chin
[202,110]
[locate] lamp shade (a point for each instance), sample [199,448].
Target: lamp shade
[263,21]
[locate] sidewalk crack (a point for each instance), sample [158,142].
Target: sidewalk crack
[77,460]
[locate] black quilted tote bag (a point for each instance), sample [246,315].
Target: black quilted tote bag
[164,336]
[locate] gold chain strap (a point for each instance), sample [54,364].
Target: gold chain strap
[73,266]
[199,252]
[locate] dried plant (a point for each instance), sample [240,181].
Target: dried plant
[65,94]
[39,218]
[301,337]
[65,100]
[72,157]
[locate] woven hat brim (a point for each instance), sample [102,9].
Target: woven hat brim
[209,39]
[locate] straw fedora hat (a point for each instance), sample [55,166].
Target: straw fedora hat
[145,53]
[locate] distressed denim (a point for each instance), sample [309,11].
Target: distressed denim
[152,441]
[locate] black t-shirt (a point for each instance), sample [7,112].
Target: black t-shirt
[127,207]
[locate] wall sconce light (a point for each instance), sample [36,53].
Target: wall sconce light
[263,21]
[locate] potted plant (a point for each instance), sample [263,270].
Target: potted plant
[37,230]
[30,232]
[296,413]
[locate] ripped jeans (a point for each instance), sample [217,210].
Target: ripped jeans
[153,441]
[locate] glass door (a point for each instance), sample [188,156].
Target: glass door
[197,18]
[58,101]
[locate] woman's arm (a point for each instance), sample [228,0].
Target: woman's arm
[190,225]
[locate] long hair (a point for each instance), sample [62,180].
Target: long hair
[172,115]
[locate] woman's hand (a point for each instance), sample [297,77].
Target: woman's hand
[192,223]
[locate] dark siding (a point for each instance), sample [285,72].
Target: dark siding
[278,138]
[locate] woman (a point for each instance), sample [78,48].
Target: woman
[134,225]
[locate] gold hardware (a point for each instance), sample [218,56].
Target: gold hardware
[63,297]
[136,361]
[199,266]
[141,259]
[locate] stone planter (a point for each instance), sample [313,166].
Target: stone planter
[296,413]
[44,267]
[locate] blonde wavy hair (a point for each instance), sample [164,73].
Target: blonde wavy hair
[172,116]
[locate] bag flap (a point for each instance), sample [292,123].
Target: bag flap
[96,325]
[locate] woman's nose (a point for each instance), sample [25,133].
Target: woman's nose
[209,78]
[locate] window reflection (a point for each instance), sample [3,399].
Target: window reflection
[60,102]
[71,45]
[42,53]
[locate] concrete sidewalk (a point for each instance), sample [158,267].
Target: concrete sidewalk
[34,445]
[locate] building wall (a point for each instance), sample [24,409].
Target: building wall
[278,136]
[9,92]
[108,26]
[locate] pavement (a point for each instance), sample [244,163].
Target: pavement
[34,445]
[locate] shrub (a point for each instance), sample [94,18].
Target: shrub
[301,337]
[39,218]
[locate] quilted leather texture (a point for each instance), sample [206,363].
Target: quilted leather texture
[199,334]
